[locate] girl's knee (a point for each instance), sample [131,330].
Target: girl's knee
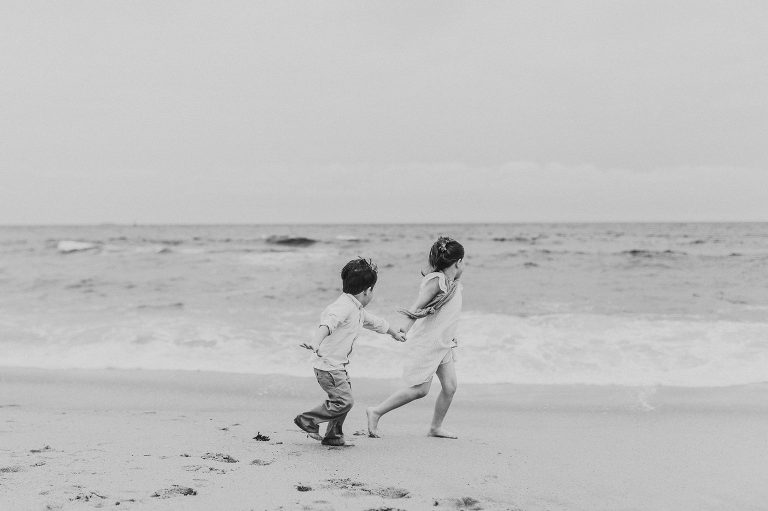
[449,389]
[421,391]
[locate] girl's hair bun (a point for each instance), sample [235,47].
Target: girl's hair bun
[445,251]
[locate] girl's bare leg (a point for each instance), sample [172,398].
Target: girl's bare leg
[447,374]
[396,400]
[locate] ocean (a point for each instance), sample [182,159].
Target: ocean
[603,304]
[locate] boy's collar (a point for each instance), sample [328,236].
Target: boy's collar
[354,300]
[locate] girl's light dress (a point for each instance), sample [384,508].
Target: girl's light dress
[432,339]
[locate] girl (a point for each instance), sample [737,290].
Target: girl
[434,318]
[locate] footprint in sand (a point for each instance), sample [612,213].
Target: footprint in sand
[203,468]
[86,497]
[463,504]
[390,492]
[224,458]
[174,491]
[468,503]
[353,487]
[346,484]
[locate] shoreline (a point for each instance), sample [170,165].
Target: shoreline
[578,396]
[71,439]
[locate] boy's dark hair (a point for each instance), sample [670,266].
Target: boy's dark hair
[444,252]
[358,275]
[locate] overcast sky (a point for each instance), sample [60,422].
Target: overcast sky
[362,111]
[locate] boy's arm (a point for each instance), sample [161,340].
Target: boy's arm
[375,323]
[321,333]
[426,294]
[333,316]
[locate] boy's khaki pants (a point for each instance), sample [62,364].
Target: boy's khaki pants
[334,410]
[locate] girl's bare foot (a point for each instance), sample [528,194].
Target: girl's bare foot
[373,422]
[441,433]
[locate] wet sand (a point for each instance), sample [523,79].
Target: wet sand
[185,440]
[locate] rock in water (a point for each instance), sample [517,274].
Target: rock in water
[291,241]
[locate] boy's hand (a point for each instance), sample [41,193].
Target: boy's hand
[398,336]
[309,347]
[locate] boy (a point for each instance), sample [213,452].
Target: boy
[340,324]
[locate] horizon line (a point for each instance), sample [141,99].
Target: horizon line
[243,224]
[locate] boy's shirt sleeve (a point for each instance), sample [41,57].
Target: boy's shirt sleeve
[334,315]
[375,323]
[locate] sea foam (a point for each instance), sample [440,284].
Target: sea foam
[613,349]
[67,246]
[493,348]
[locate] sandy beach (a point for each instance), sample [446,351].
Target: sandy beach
[72,439]
[561,206]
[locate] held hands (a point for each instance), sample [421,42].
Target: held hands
[309,347]
[399,335]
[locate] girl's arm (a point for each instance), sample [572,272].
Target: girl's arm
[426,294]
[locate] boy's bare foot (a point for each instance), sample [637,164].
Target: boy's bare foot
[315,436]
[441,433]
[373,422]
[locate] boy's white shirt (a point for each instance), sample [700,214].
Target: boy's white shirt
[345,318]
